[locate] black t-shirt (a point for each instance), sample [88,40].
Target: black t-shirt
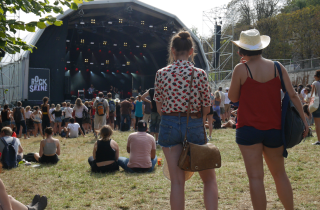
[57,113]
[154,105]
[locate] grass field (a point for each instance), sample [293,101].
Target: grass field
[71,185]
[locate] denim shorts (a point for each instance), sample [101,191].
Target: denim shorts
[58,119]
[6,123]
[67,119]
[316,114]
[248,136]
[173,129]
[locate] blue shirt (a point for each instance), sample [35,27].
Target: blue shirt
[138,112]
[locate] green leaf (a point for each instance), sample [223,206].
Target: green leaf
[58,23]
[88,0]
[2,35]
[19,27]
[57,9]
[56,3]
[5,91]
[78,1]
[41,25]
[74,6]
[30,28]
[1,11]
[49,23]
[9,50]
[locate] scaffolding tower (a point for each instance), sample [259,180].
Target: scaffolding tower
[217,45]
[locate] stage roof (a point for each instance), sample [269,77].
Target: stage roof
[151,25]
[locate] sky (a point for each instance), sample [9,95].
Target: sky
[189,12]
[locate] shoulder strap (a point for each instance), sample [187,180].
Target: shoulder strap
[189,104]
[248,70]
[4,141]
[276,65]
[13,141]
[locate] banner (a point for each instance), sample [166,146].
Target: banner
[38,84]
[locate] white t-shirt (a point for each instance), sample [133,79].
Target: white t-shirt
[74,130]
[222,98]
[68,112]
[226,100]
[52,115]
[28,114]
[78,111]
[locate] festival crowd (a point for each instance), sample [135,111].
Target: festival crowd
[158,117]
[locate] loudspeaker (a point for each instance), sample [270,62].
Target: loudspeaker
[217,40]
[67,85]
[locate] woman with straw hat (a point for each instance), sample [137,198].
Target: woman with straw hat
[256,85]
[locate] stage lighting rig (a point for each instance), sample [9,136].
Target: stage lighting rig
[125,44]
[165,28]
[110,22]
[107,61]
[82,41]
[82,22]
[93,21]
[86,60]
[142,22]
[120,20]
[150,26]
[128,63]
[144,45]
[105,42]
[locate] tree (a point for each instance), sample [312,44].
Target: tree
[8,27]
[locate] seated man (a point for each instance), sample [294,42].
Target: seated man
[73,129]
[142,149]
[232,122]
[6,140]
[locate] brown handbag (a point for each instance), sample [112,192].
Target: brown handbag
[198,157]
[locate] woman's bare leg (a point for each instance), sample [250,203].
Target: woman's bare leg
[16,205]
[317,124]
[59,124]
[210,189]
[36,156]
[210,121]
[275,162]
[177,177]
[252,156]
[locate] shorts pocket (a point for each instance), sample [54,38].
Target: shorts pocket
[165,133]
[195,134]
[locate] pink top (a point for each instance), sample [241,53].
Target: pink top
[140,144]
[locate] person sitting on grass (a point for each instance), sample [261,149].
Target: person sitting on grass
[232,122]
[142,149]
[7,202]
[6,138]
[49,148]
[105,153]
[73,129]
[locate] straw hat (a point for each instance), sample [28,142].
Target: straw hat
[188,174]
[117,100]
[252,41]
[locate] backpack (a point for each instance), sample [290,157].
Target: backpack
[100,110]
[112,106]
[9,155]
[85,114]
[17,115]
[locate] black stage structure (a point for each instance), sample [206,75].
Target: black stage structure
[104,43]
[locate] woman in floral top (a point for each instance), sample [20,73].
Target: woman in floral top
[172,91]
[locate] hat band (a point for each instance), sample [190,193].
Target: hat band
[250,46]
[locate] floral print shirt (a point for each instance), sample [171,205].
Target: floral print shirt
[172,88]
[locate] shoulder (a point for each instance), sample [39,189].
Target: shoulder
[56,140]
[149,136]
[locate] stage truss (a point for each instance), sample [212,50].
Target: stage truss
[210,18]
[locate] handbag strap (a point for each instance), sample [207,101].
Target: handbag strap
[285,102]
[189,104]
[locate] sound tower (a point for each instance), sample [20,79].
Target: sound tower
[217,40]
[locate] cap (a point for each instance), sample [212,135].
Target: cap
[227,88]
[142,125]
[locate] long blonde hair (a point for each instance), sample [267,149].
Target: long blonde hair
[79,103]
[58,107]
[217,95]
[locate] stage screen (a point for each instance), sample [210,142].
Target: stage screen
[38,84]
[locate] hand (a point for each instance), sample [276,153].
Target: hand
[306,131]
[107,116]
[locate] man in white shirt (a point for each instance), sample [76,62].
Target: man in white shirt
[100,119]
[227,105]
[73,129]
[222,110]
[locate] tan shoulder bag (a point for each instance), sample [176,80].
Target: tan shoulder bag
[198,157]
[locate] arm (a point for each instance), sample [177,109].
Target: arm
[128,145]
[94,151]
[159,104]
[294,98]
[20,150]
[143,109]
[58,148]
[116,148]
[153,153]
[8,113]
[234,91]
[48,110]
[143,97]
[4,199]
[23,113]
[41,149]
[205,112]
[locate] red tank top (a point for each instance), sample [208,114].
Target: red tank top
[260,104]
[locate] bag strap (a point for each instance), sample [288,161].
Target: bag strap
[189,104]
[285,102]
[4,141]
